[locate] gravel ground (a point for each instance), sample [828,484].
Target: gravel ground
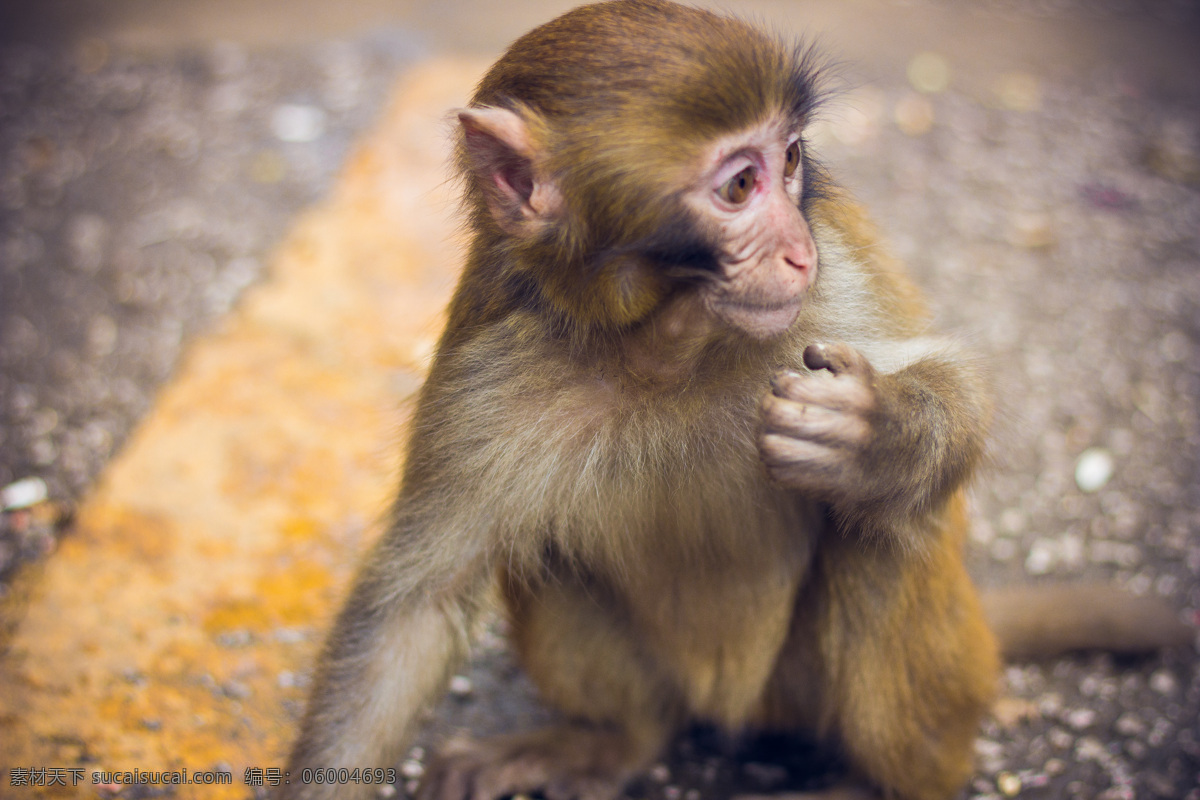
[1055,223]
[138,197]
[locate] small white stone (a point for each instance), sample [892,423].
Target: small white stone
[1081,718]
[1060,738]
[1089,748]
[1009,784]
[1094,468]
[987,748]
[1012,521]
[1041,557]
[23,494]
[102,335]
[1129,725]
[298,123]
[1163,682]
[460,686]
[1070,549]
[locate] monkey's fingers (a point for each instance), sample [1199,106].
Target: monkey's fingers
[805,466]
[815,423]
[837,357]
[849,394]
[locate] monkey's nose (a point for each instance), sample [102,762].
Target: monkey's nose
[800,252]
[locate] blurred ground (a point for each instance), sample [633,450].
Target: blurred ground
[1038,167]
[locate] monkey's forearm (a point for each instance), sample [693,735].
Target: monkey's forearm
[389,655]
[928,427]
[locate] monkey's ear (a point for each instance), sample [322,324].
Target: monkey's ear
[508,163]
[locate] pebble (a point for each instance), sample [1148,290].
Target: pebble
[24,493]
[102,335]
[1094,469]
[1080,718]
[1041,558]
[1089,748]
[298,123]
[87,235]
[460,686]
[1164,682]
[1128,724]
[1060,738]
[1009,784]
[929,73]
[236,690]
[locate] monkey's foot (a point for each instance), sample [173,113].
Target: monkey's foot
[566,763]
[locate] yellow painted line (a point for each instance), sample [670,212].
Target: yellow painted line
[168,630]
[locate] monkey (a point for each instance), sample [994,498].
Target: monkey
[690,421]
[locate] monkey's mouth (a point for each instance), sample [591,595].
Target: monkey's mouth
[759,320]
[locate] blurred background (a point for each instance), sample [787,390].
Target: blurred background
[1036,162]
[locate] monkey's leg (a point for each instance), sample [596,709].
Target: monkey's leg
[909,665]
[888,658]
[586,664]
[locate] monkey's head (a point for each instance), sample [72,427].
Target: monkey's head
[632,152]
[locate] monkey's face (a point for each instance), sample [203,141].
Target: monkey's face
[736,254]
[747,192]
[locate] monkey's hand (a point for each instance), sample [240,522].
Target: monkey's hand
[881,448]
[818,429]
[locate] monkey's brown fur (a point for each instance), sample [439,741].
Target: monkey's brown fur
[667,550]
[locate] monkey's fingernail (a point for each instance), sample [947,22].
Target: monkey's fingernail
[779,377]
[816,356]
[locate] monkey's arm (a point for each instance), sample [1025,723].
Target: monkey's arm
[404,626]
[883,449]
[398,638]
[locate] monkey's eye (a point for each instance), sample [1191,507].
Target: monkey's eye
[737,189]
[792,159]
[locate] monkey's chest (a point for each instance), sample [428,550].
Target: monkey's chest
[712,601]
[666,507]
